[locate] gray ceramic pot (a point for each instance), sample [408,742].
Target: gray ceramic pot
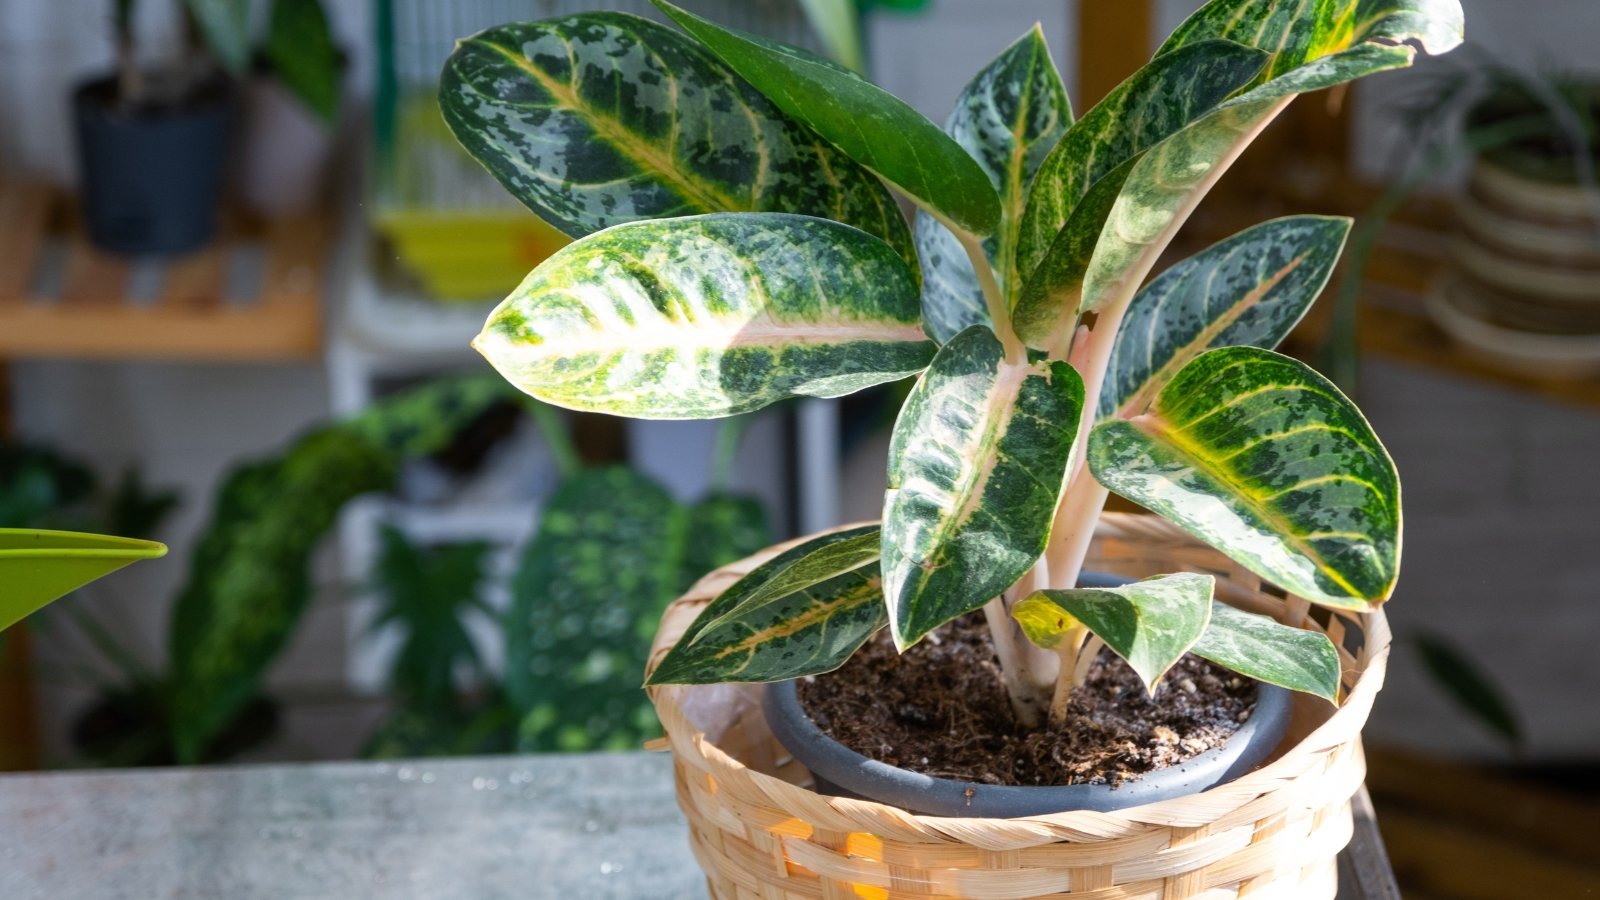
[842,772]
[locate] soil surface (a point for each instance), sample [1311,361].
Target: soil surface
[942,710]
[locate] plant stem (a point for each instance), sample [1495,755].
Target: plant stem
[1067,652]
[993,299]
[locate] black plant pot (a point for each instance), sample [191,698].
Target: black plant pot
[151,177]
[842,772]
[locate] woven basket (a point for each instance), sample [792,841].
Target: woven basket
[760,833]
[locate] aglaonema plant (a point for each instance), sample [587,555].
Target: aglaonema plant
[738,243]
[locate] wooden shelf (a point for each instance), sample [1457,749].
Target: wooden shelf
[253,295]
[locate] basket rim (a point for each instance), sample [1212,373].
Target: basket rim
[1235,800]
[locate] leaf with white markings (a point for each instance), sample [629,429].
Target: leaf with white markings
[1260,648]
[603,118]
[1008,118]
[1342,41]
[1149,623]
[976,467]
[1161,97]
[1248,290]
[901,145]
[1259,456]
[709,316]
[801,613]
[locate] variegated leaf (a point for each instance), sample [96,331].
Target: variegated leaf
[797,614]
[1149,623]
[1261,457]
[976,467]
[1336,42]
[603,118]
[1248,290]
[1008,117]
[1260,648]
[709,316]
[872,126]
[1163,96]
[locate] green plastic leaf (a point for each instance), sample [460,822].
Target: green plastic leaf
[797,614]
[603,118]
[1466,683]
[872,126]
[1336,42]
[1248,290]
[1167,93]
[1007,118]
[301,51]
[709,316]
[1149,623]
[1259,456]
[38,567]
[976,467]
[591,587]
[225,26]
[1261,648]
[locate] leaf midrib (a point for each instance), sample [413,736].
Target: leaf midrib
[619,136]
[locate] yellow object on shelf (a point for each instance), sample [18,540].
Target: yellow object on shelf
[469,255]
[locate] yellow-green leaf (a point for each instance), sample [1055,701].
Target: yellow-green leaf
[1149,623]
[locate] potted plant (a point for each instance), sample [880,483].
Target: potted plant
[291,109]
[736,246]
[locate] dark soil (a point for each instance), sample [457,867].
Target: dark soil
[942,710]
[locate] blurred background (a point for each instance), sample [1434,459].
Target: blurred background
[381,551]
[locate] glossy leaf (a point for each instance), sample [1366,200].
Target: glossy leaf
[811,563]
[872,126]
[976,467]
[38,567]
[797,614]
[1264,459]
[709,316]
[1341,41]
[1161,97]
[587,595]
[1007,118]
[603,118]
[1259,647]
[1149,623]
[1248,290]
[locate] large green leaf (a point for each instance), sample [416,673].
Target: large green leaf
[603,118]
[302,53]
[1161,97]
[1265,650]
[976,467]
[1007,118]
[1149,623]
[1315,44]
[802,613]
[872,126]
[1248,290]
[586,598]
[1264,459]
[709,316]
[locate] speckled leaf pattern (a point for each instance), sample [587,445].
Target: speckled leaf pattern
[797,614]
[1261,648]
[1155,101]
[1007,118]
[604,118]
[1149,623]
[976,466]
[1247,290]
[872,126]
[1261,457]
[1316,44]
[709,316]
[591,587]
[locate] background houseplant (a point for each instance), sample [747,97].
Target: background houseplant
[1035,235]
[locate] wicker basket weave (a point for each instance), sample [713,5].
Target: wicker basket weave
[760,833]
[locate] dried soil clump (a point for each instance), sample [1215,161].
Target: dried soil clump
[940,709]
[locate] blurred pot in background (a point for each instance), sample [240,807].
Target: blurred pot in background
[291,108]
